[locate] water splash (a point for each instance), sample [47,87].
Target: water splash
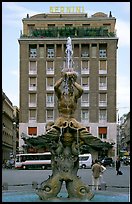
[61,132]
[69,53]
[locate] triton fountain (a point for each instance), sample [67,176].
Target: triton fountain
[65,137]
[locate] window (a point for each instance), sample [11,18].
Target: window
[50,67]
[102,115]
[103,50]
[32,130]
[32,115]
[50,83]
[85,67]
[32,83]
[102,99]
[50,51]
[85,83]
[32,100]
[85,99]
[32,51]
[50,100]
[50,115]
[86,25]
[102,131]
[51,25]
[103,83]
[32,67]
[84,50]
[68,25]
[102,53]
[84,115]
[102,67]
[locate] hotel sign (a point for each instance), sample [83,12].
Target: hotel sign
[68,9]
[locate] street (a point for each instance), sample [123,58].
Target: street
[22,179]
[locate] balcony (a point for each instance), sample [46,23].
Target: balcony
[73,32]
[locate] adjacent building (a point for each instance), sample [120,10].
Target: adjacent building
[124,134]
[42,55]
[9,131]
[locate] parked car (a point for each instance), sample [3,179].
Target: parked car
[107,161]
[126,161]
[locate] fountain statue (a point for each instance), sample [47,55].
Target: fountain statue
[65,137]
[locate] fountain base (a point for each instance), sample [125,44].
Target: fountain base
[31,196]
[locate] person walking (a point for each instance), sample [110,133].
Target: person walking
[118,165]
[103,168]
[96,171]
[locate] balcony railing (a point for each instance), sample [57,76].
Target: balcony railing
[49,104]
[50,70]
[84,70]
[102,103]
[70,31]
[50,88]
[32,104]
[84,104]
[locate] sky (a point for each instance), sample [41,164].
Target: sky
[14,12]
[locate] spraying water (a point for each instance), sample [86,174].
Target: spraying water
[69,53]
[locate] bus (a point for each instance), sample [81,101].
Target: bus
[33,161]
[85,161]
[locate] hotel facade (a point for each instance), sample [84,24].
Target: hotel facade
[42,53]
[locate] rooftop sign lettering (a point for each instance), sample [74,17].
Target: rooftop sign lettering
[62,9]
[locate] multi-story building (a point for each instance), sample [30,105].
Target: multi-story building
[125,134]
[8,129]
[42,53]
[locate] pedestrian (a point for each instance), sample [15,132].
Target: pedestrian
[103,168]
[118,165]
[96,170]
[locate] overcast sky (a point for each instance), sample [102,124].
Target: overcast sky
[14,12]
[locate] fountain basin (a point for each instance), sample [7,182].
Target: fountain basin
[31,196]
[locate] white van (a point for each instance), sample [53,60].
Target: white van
[85,161]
